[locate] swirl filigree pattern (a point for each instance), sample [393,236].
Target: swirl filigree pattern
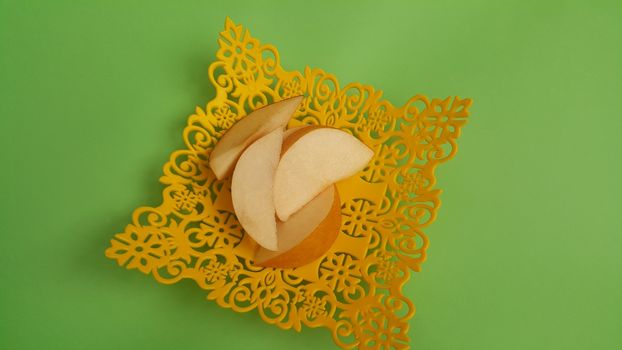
[355,289]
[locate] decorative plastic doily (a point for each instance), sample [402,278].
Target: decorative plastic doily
[355,290]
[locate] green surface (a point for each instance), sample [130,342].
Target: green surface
[526,253]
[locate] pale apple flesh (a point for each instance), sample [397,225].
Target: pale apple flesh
[307,235]
[312,159]
[247,130]
[252,189]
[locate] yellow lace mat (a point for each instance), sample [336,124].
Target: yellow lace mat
[355,289]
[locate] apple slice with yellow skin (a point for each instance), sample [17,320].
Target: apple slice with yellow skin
[307,235]
[247,130]
[312,159]
[252,188]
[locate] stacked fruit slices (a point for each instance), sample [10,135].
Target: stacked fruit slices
[282,184]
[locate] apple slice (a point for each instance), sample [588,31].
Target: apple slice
[247,130]
[312,159]
[307,235]
[252,188]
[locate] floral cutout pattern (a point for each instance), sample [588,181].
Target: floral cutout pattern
[355,290]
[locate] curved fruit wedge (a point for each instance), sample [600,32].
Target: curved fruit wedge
[307,235]
[252,188]
[247,130]
[312,159]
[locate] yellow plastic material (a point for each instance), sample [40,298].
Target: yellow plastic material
[355,290]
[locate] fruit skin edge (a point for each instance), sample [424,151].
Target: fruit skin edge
[188,187]
[314,245]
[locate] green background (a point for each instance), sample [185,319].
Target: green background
[525,254]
